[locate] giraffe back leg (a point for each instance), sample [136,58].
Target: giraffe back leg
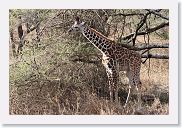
[128,97]
[139,95]
[130,90]
[138,83]
[134,81]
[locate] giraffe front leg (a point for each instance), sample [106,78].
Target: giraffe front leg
[113,88]
[110,80]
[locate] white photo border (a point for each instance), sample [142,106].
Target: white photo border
[172,118]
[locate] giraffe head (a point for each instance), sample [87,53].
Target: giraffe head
[78,26]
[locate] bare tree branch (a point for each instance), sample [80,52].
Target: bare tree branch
[158,14]
[156,56]
[145,46]
[128,14]
[139,26]
[134,13]
[146,32]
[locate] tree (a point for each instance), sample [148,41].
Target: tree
[64,75]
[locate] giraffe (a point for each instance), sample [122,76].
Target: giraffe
[115,58]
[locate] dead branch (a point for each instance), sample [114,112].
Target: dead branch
[156,56]
[158,14]
[134,13]
[142,47]
[145,46]
[128,14]
[147,31]
[139,26]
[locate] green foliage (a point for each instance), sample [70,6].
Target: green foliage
[19,72]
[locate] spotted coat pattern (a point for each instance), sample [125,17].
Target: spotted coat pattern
[115,58]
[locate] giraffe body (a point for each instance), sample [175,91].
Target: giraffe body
[115,58]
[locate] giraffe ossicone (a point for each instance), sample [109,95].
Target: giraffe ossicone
[115,58]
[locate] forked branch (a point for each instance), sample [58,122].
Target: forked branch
[162,25]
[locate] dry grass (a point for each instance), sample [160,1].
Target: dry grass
[75,88]
[50,99]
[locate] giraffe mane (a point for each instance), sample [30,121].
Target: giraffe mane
[100,34]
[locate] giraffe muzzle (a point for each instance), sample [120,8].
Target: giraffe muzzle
[69,30]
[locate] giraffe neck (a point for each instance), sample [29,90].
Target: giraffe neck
[97,39]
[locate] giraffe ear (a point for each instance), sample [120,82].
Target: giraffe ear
[77,19]
[84,23]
